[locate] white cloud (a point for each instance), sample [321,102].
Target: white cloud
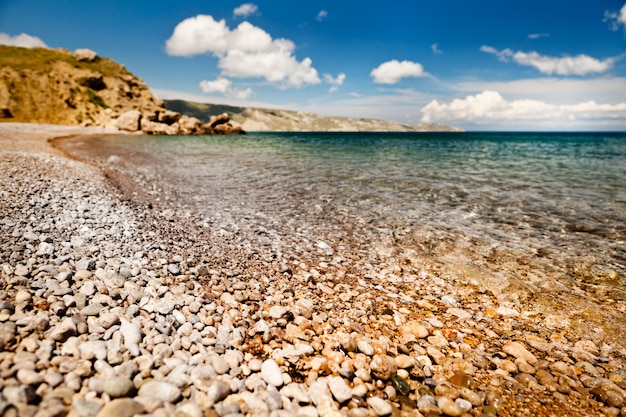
[323,14]
[246,10]
[23,40]
[615,19]
[435,48]
[538,35]
[552,89]
[391,72]
[334,82]
[490,107]
[567,65]
[246,51]
[224,86]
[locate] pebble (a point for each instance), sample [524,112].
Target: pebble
[340,390]
[118,386]
[163,391]
[271,373]
[519,351]
[121,407]
[380,406]
[101,314]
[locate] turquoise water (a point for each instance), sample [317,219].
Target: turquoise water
[560,195]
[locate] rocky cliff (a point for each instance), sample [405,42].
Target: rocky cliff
[260,120]
[56,86]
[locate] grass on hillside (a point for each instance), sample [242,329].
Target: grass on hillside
[41,58]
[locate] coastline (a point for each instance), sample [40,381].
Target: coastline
[187,319]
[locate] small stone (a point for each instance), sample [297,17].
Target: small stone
[340,390]
[218,390]
[383,367]
[29,377]
[381,407]
[270,372]
[414,328]
[93,349]
[86,408]
[92,309]
[364,347]
[163,391]
[131,333]
[121,407]
[518,350]
[405,361]
[449,407]
[118,386]
[277,312]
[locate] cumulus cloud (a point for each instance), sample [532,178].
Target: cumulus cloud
[23,40]
[615,19]
[490,106]
[321,15]
[246,10]
[246,51]
[435,49]
[391,72]
[334,82]
[567,65]
[224,86]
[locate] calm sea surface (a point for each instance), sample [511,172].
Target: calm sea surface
[560,195]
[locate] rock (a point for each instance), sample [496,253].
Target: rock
[129,121]
[218,390]
[121,407]
[364,347]
[449,407]
[85,408]
[383,367]
[93,349]
[518,351]
[405,361]
[118,386]
[414,328]
[271,373]
[163,391]
[276,312]
[168,117]
[131,333]
[340,390]
[85,54]
[63,330]
[29,377]
[219,119]
[381,407]
[92,309]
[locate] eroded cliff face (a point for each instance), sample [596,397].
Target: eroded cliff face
[56,86]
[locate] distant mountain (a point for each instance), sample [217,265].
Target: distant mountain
[262,120]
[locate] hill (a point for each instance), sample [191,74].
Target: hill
[41,85]
[259,119]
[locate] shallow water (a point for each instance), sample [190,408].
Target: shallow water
[558,200]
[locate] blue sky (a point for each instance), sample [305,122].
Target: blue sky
[480,65]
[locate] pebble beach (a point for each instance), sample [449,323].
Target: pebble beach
[114,305]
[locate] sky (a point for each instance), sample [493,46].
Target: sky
[478,65]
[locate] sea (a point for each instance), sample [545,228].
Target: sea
[536,205]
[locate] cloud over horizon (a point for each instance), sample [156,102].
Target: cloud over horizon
[391,72]
[489,107]
[244,52]
[23,40]
[567,65]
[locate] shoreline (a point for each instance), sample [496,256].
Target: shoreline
[183,318]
